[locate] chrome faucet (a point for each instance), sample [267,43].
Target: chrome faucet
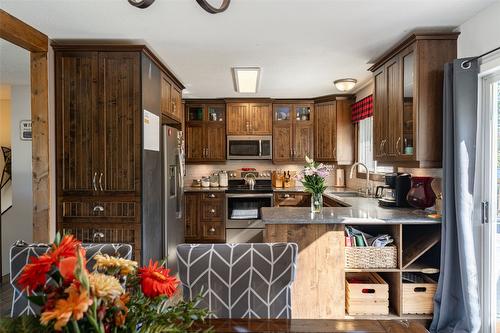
[367,190]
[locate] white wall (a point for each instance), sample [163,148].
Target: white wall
[480,33]
[5,141]
[17,223]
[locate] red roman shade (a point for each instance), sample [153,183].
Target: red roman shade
[362,109]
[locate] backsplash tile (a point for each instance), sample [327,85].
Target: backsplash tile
[196,171]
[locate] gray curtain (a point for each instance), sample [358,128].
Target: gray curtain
[456,304]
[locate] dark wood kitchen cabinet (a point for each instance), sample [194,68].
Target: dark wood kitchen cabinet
[293,131]
[253,118]
[408,100]
[204,217]
[171,99]
[205,132]
[101,91]
[98,132]
[333,132]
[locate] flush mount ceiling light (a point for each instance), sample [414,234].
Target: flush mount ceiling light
[205,4]
[246,79]
[345,84]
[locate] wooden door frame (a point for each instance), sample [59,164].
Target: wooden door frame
[21,34]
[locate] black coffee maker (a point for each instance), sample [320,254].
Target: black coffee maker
[393,193]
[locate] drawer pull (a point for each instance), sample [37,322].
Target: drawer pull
[286,196]
[368,291]
[212,211]
[98,208]
[100,182]
[211,195]
[98,235]
[211,230]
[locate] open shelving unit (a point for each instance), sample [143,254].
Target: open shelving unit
[418,248]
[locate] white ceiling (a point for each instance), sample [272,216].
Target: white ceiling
[301,45]
[14,64]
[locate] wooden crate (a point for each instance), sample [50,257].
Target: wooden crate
[366,294]
[418,298]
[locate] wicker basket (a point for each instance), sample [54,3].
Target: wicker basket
[371,257]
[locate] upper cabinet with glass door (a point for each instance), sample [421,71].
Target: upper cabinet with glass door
[405,143]
[292,131]
[408,102]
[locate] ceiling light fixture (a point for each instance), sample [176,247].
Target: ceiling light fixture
[246,79]
[345,84]
[205,4]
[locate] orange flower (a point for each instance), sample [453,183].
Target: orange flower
[74,306]
[34,274]
[120,319]
[155,281]
[67,267]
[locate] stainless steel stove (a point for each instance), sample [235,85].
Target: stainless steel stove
[243,206]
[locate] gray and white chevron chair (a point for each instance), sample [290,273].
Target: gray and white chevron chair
[239,280]
[21,252]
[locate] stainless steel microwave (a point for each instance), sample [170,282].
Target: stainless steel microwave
[249,147]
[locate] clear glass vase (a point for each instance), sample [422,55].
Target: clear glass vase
[316,202]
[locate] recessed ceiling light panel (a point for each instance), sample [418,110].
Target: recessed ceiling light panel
[246,79]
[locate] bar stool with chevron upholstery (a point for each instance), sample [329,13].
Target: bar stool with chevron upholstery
[239,280]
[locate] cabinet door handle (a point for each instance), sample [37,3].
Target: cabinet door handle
[98,236]
[206,154]
[211,230]
[98,208]
[380,147]
[93,181]
[212,211]
[211,195]
[100,182]
[335,152]
[397,146]
[382,151]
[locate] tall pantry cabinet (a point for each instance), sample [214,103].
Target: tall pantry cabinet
[105,180]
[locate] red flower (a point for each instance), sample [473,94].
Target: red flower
[34,274]
[67,248]
[155,281]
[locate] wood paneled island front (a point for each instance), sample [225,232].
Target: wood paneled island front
[318,291]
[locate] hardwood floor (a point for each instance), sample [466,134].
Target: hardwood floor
[5,299]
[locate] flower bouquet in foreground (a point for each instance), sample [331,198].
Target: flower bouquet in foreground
[313,178]
[115,297]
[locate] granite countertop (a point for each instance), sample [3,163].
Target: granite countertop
[360,210]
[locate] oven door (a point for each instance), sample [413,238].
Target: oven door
[243,210]
[249,147]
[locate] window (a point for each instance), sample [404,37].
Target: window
[365,148]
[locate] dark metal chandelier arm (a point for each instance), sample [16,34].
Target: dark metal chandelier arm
[203,3]
[211,9]
[141,3]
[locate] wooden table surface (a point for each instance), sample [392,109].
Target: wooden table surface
[312,326]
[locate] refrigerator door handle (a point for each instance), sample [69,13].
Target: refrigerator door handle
[180,196]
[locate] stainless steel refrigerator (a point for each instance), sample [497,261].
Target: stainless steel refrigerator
[173,193]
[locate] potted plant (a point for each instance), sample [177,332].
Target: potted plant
[313,178]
